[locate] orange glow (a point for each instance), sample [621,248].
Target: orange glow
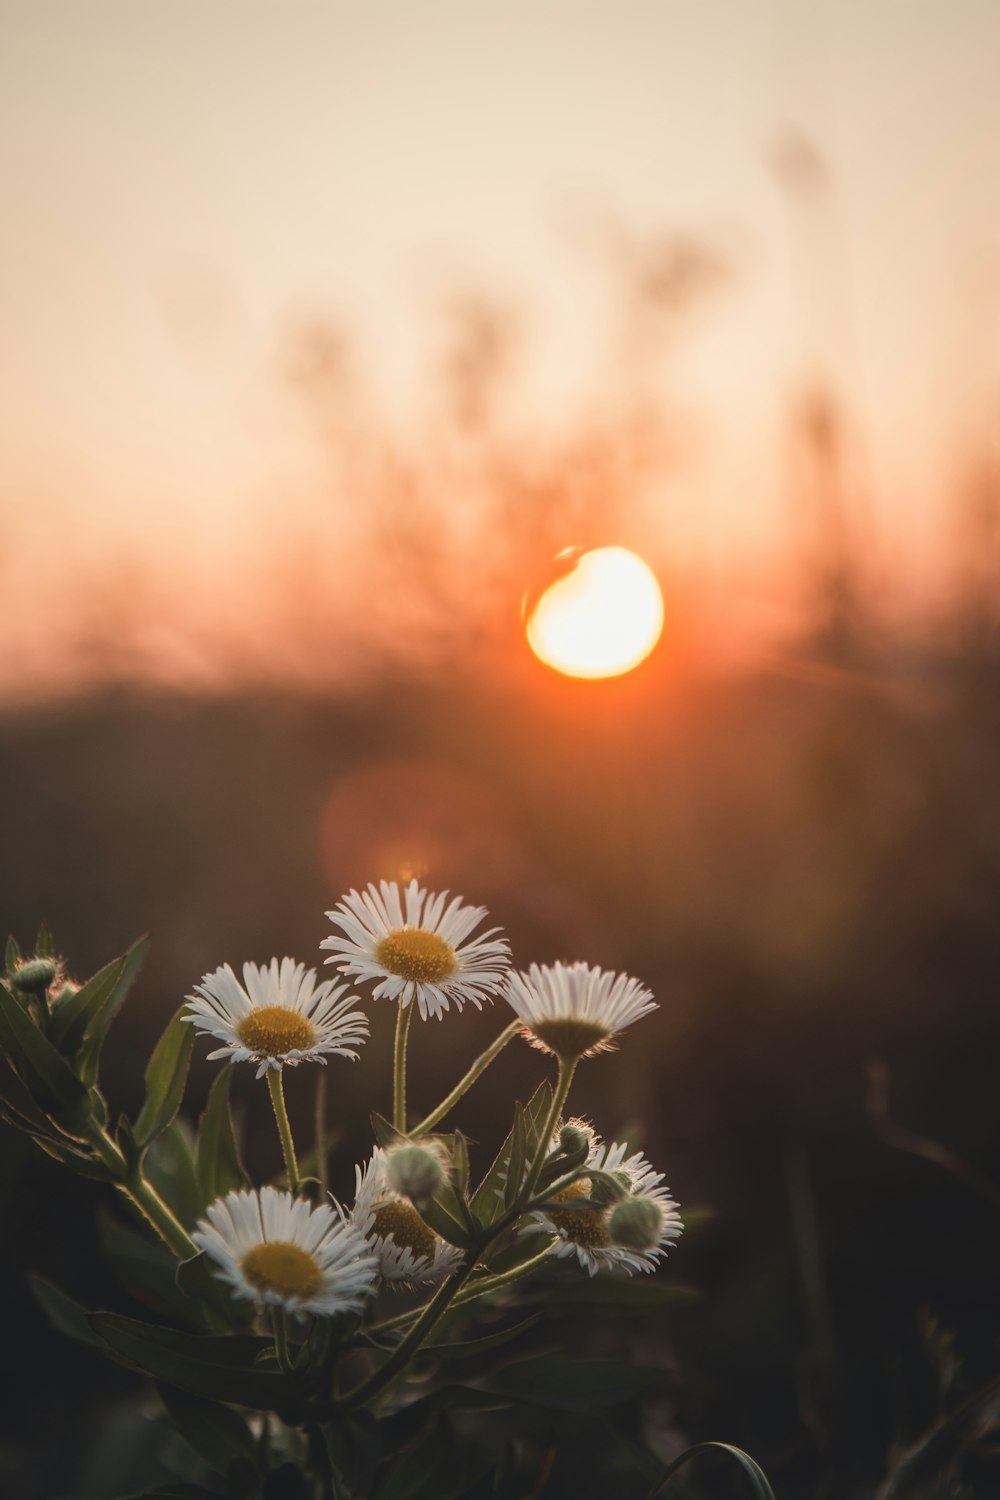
[600,619]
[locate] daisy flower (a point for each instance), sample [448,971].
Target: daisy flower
[407,1249]
[574,1010]
[279,1014]
[589,1234]
[277,1251]
[416,947]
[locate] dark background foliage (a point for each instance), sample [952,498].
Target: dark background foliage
[804,864]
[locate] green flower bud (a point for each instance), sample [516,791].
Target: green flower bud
[636,1223]
[34,976]
[610,1187]
[415,1172]
[574,1138]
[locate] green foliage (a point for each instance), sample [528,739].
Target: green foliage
[166,1075]
[487,1437]
[215,1432]
[46,1075]
[80,1023]
[759,1486]
[219,1368]
[217,1157]
[169,1166]
[498,1188]
[12,956]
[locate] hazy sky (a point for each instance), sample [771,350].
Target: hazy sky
[183,180]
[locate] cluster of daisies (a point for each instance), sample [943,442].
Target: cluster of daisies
[417,948]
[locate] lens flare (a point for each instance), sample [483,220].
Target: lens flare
[600,619]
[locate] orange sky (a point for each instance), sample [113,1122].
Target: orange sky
[183,181]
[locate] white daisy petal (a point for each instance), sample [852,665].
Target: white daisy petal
[279,1015]
[582,1233]
[413,946]
[277,1251]
[574,1010]
[408,1251]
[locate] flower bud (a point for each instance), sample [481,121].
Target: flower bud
[414,1171]
[610,1187]
[34,976]
[575,1137]
[636,1223]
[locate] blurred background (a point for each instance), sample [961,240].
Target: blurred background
[326,329]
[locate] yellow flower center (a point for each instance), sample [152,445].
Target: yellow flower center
[407,1228]
[273,1030]
[282,1268]
[584,1226]
[414,954]
[568,1036]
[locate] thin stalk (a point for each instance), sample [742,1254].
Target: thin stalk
[422,1328]
[277,1091]
[479,1067]
[470,1294]
[280,1330]
[145,1197]
[399,1066]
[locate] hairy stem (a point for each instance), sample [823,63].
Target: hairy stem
[399,1066]
[422,1328]
[280,1330]
[471,1293]
[277,1091]
[479,1067]
[145,1197]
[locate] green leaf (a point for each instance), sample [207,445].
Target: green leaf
[43,942]
[48,1077]
[217,1158]
[444,1223]
[166,1076]
[758,1479]
[468,1348]
[80,1022]
[215,1432]
[219,1368]
[561,1384]
[217,1305]
[460,1163]
[61,1148]
[169,1166]
[65,1314]
[438,1462]
[385,1134]
[489,1199]
[13,956]
[144,1266]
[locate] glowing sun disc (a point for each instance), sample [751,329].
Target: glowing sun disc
[600,619]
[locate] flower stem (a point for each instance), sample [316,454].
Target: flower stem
[471,1293]
[276,1087]
[399,1066]
[280,1330]
[479,1067]
[425,1325]
[145,1197]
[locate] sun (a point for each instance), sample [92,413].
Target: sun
[599,619]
